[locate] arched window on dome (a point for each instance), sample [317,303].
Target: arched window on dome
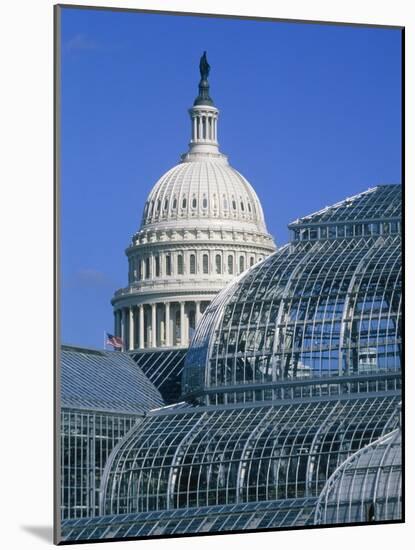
[218,263]
[230,264]
[251,261]
[184,202]
[204,203]
[241,264]
[157,266]
[249,207]
[166,204]
[233,203]
[194,202]
[174,203]
[168,265]
[150,209]
[205,263]
[225,202]
[215,202]
[147,274]
[158,206]
[192,264]
[180,265]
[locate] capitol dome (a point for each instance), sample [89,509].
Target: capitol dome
[202,225]
[208,191]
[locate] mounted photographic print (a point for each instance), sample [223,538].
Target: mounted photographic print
[229,333]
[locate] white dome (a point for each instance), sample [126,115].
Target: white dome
[205,190]
[202,225]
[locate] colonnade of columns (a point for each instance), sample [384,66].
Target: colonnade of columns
[205,127]
[162,324]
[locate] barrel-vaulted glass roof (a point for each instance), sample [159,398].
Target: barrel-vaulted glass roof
[377,203]
[106,381]
[367,486]
[317,309]
[207,456]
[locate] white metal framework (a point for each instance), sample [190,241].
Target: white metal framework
[316,310]
[291,394]
[103,394]
[208,456]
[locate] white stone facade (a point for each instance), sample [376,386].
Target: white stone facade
[202,225]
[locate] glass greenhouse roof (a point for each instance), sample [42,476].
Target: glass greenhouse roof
[367,486]
[206,456]
[105,381]
[325,306]
[379,203]
[164,369]
[225,518]
[291,393]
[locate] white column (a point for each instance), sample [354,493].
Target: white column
[131,329]
[162,260]
[141,326]
[194,137]
[198,314]
[123,331]
[167,323]
[161,329]
[154,325]
[200,127]
[182,327]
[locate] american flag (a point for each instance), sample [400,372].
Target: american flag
[114,341]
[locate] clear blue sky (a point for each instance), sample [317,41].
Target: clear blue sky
[310,114]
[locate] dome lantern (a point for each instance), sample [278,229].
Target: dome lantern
[204,118]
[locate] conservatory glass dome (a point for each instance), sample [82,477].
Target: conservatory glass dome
[324,307]
[367,486]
